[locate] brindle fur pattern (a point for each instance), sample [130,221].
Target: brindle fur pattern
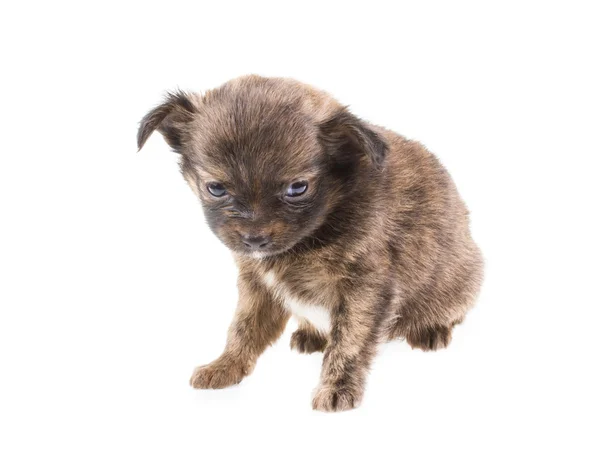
[380,240]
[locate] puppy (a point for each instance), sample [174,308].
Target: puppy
[356,231]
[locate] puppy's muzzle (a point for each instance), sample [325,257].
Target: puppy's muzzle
[257,241]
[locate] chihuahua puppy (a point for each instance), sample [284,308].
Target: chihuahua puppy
[357,232]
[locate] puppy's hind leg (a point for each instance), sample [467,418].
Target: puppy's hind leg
[422,327]
[307,339]
[429,338]
[427,319]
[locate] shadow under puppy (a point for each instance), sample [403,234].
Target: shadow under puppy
[353,229]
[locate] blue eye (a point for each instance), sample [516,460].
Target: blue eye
[296,189]
[217,189]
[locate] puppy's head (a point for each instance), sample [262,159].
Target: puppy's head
[268,158]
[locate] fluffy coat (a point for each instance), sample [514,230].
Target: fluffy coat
[376,248]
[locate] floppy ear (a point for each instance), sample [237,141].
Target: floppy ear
[169,118]
[347,134]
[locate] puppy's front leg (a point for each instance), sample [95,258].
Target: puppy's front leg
[354,337]
[259,321]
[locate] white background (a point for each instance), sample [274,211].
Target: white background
[113,288]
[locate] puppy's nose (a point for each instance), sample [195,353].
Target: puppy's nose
[256,242]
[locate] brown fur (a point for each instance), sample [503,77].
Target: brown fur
[306,339]
[380,239]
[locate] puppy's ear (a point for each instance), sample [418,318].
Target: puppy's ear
[346,134]
[169,118]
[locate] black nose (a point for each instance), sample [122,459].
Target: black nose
[256,242]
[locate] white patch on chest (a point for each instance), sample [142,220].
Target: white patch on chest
[317,315]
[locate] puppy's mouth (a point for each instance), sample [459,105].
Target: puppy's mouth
[260,246]
[261,254]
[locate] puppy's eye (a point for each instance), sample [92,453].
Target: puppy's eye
[296,189]
[216,188]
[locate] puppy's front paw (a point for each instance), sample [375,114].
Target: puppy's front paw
[332,398]
[307,341]
[218,374]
